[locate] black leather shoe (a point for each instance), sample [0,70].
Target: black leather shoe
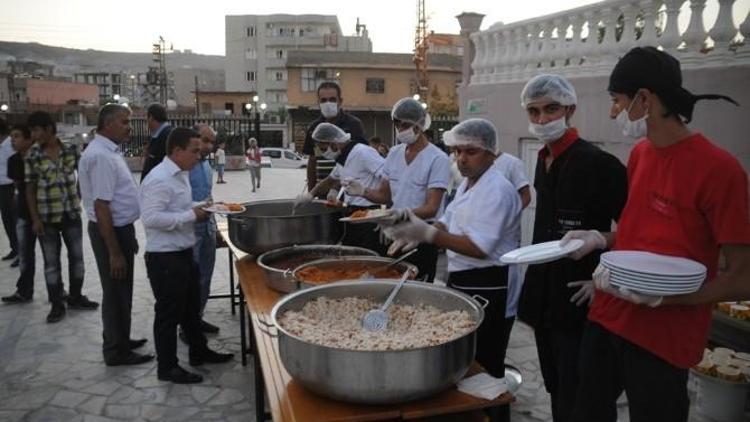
[10,256]
[209,328]
[16,298]
[178,375]
[131,359]
[209,356]
[56,313]
[16,262]
[134,344]
[82,302]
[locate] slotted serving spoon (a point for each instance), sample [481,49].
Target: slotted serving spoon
[370,273]
[377,319]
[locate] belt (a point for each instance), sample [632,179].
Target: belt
[188,251]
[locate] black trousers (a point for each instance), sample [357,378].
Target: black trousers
[490,283]
[174,281]
[8,213]
[27,258]
[656,390]
[558,351]
[426,261]
[117,295]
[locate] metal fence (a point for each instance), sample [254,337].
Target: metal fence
[234,131]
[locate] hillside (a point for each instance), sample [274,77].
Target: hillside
[68,60]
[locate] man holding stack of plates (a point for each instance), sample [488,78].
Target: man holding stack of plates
[687,206]
[578,187]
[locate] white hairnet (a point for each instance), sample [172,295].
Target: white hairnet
[327,132]
[479,133]
[551,87]
[411,111]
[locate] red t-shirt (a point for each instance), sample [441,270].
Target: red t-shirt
[684,200]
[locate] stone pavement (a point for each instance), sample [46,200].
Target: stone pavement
[55,372]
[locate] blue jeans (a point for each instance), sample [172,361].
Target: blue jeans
[204,254]
[220,169]
[69,231]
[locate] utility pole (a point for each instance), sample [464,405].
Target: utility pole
[420,50]
[158,52]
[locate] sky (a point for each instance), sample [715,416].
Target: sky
[134,25]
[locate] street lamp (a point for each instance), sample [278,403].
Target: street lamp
[416,97]
[259,108]
[4,108]
[132,87]
[116,97]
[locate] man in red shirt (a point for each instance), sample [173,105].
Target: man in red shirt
[687,198]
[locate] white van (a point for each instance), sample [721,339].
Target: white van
[283,158]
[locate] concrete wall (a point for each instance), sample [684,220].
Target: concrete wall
[398,84]
[727,125]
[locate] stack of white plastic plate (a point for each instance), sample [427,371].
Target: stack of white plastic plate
[653,274]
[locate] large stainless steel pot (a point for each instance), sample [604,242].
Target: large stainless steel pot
[268,225]
[281,279]
[376,262]
[378,377]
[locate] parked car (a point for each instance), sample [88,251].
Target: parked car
[283,158]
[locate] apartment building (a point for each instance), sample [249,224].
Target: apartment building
[257,48]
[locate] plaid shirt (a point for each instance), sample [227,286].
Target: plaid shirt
[56,182]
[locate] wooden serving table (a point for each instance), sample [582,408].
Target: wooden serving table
[289,401]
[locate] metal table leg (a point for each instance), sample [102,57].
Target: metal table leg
[231,278]
[243,333]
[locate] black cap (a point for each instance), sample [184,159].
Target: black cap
[660,73]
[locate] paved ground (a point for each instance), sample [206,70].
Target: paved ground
[55,372]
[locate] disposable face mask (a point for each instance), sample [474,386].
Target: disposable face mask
[329,110]
[330,154]
[633,128]
[407,136]
[550,131]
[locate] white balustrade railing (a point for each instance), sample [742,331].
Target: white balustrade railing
[589,40]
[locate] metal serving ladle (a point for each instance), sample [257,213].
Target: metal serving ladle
[377,319]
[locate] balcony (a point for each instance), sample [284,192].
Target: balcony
[588,40]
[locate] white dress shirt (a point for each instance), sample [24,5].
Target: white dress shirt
[515,171]
[167,209]
[6,150]
[104,174]
[430,169]
[489,214]
[364,165]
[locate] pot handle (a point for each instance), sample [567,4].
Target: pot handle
[267,329]
[483,302]
[288,273]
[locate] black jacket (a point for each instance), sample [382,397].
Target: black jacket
[157,149]
[585,188]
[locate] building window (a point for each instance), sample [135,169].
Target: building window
[279,54]
[206,108]
[250,76]
[279,76]
[250,31]
[375,85]
[276,97]
[251,54]
[311,78]
[229,107]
